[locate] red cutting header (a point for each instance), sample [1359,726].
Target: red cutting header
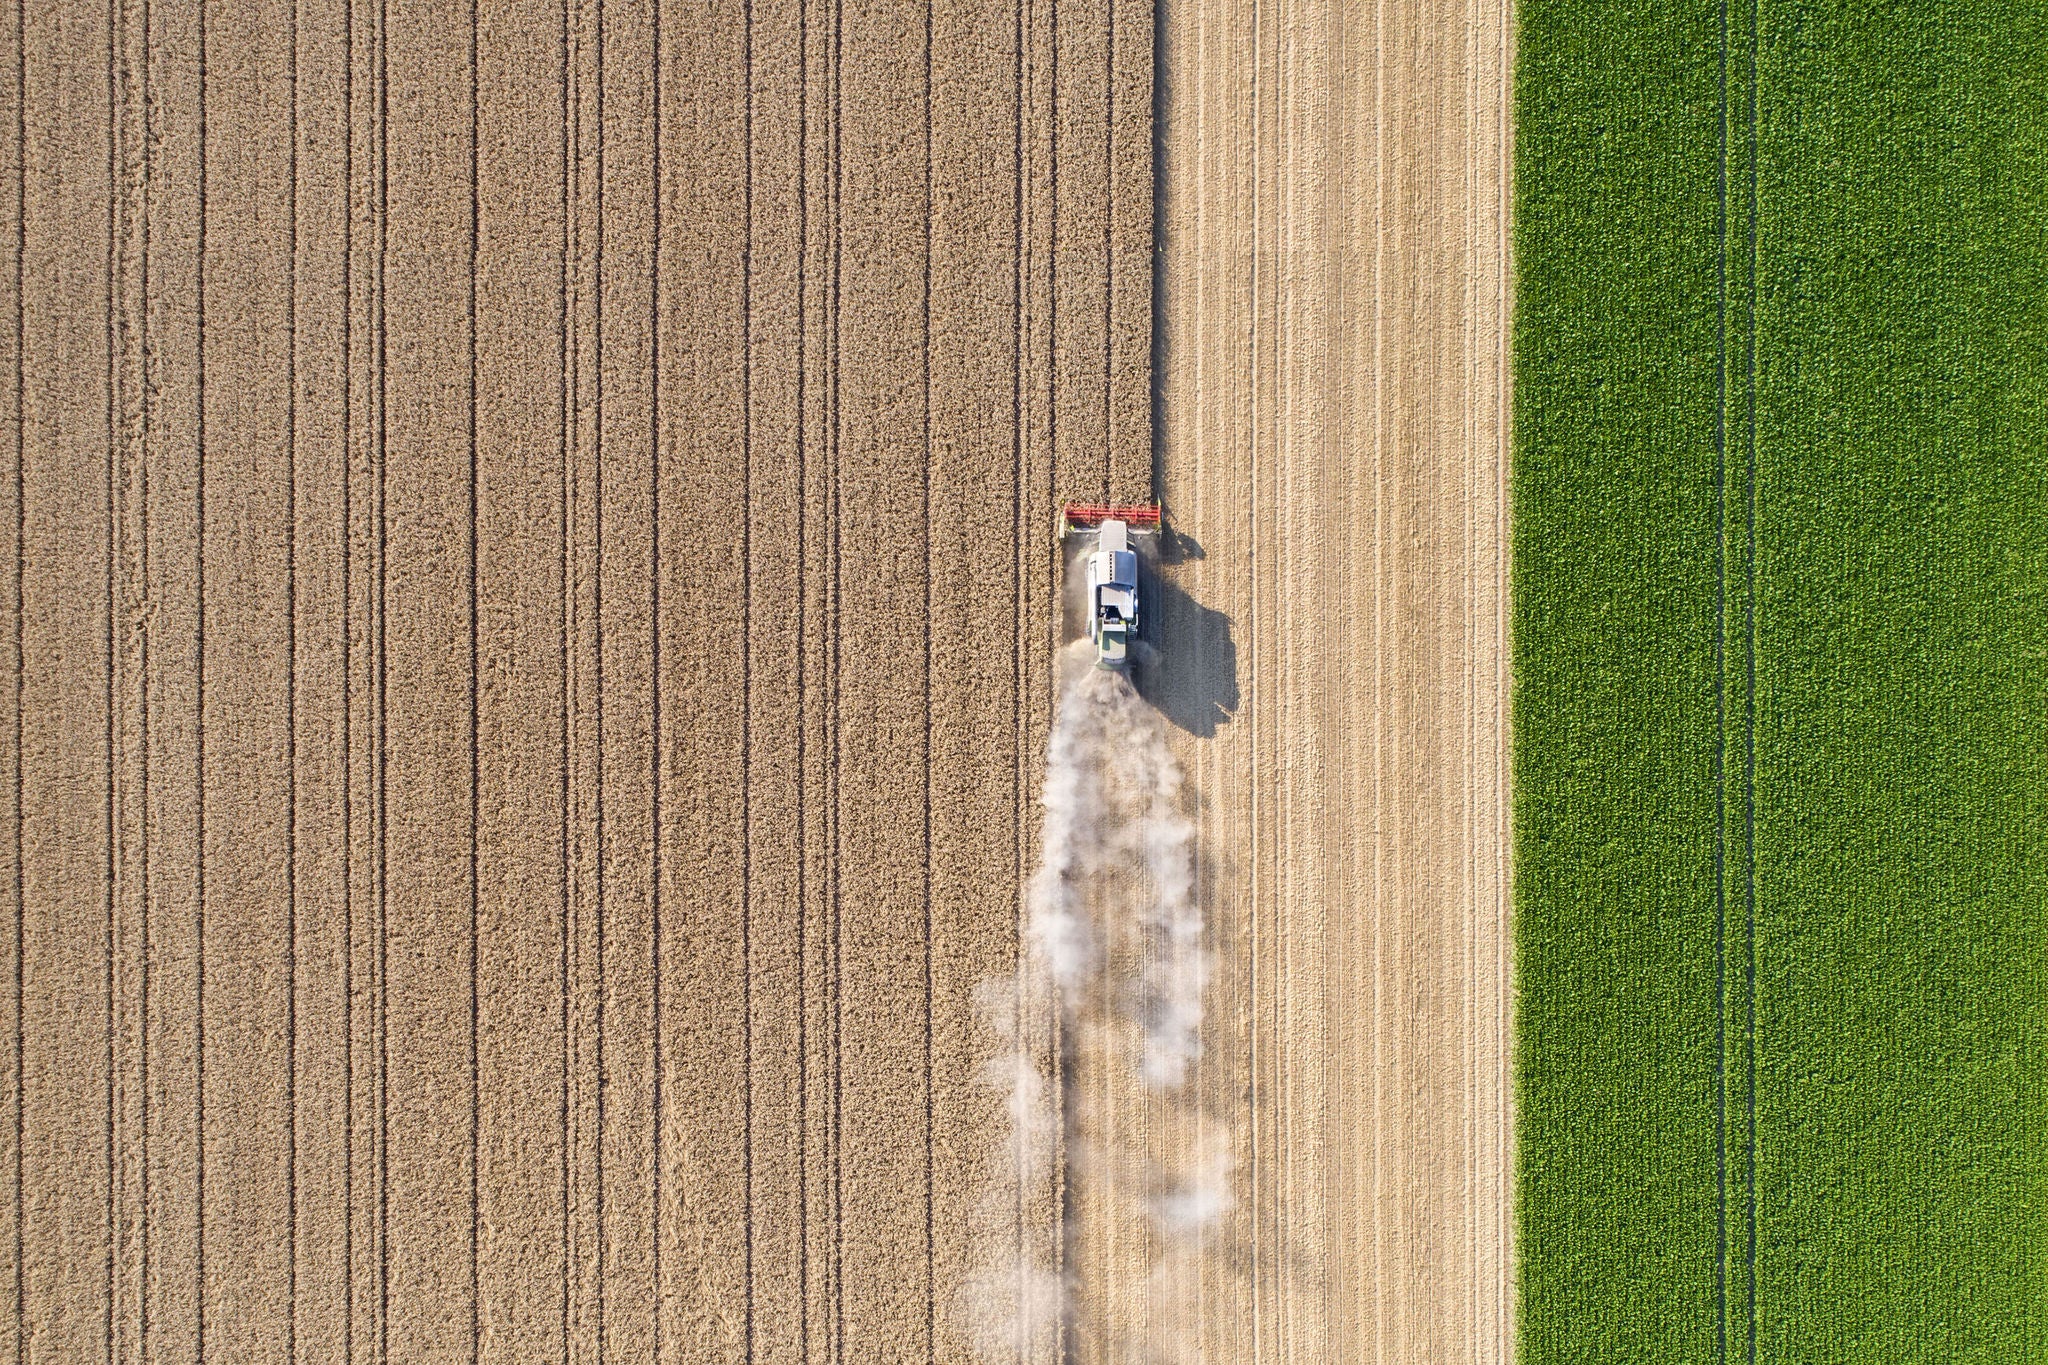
[1137,513]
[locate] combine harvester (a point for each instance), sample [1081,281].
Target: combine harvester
[1111,606]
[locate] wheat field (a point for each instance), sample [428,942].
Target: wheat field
[533,620]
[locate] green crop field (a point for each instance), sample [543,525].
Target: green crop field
[1781,671]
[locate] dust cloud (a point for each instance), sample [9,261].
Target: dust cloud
[1100,1032]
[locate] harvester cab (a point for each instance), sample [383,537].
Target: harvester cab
[1112,602]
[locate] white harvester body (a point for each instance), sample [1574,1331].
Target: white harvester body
[1102,589]
[1112,594]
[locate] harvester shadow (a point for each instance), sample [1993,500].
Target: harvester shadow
[1190,672]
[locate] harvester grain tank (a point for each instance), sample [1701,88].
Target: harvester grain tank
[1112,602]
